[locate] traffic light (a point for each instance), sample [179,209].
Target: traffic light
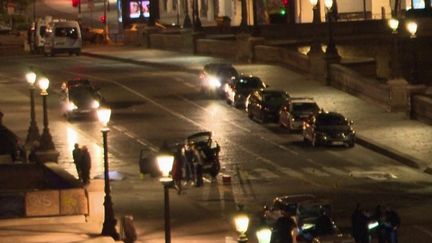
[75,3]
[285,2]
[102,19]
[282,11]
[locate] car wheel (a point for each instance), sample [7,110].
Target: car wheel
[250,115]
[263,118]
[228,101]
[351,144]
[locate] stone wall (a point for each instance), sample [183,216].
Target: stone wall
[219,48]
[352,82]
[421,107]
[280,55]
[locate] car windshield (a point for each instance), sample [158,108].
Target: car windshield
[313,211]
[331,120]
[275,98]
[70,32]
[305,107]
[227,72]
[81,93]
[249,83]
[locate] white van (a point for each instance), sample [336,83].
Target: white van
[63,37]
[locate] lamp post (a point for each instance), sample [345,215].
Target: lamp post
[395,65]
[316,45]
[187,21]
[33,131]
[256,30]
[264,235]
[412,29]
[241,222]
[165,162]
[109,223]
[195,15]
[331,51]
[243,23]
[45,141]
[106,33]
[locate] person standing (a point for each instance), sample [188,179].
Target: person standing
[188,162]
[284,229]
[85,165]
[198,168]
[359,222]
[177,172]
[76,154]
[392,224]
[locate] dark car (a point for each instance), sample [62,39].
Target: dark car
[328,128]
[265,104]
[80,98]
[240,87]
[296,111]
[214,76]
[307,211]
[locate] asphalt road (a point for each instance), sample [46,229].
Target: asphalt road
[151,106]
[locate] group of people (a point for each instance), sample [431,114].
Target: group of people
[187,166]
[387,223]
[82,161]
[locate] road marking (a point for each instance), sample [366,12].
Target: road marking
[424,230]
[315,172]
[265,173]
[335,171]
[141,141]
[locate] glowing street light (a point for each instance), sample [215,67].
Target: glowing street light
[33,131]
[394,24]
[45,141]
[241,222]
[412,29]
[316,45]
[395,65]
[109,223]
[165,161]
[264,235]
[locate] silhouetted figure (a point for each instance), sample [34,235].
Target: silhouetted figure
[378,216]
[85,165]
[324,224]
[360,222]
[76,154]
[392,224]
[8,140]
[283,229]
[176,171]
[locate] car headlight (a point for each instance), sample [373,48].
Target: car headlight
[71,106]
[214,82]
[95,104]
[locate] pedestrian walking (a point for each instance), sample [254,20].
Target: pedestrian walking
[378,216]
[85,165]
[8,140]
[324,224]
[177,172]
[392,224]
[76,154]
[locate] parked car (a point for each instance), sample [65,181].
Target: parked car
[214,76]
[205,149]
[240,87]
[80,98]
[296,111]
[265,104]
[308,211]
[328,128]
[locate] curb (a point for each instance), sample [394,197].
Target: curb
[389,152]
[43,220]
[374,146]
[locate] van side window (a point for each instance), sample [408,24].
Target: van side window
[66,32]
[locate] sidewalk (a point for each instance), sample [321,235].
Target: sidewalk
[391,134]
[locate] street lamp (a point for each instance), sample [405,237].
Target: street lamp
[165,162]
[108,228]
[412,29]
[316,45]
[187,21]
[395,65]
[256,30]
[195,15]
[264,235]
[106,34]
[33,131]
[45,141]
[331,51]
[241,222]
[243,23]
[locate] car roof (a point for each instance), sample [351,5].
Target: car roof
[78,82]
[301,100]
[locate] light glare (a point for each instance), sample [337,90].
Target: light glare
[104,115]
[165,163]
[31,78]
[241,223]
[264,235]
